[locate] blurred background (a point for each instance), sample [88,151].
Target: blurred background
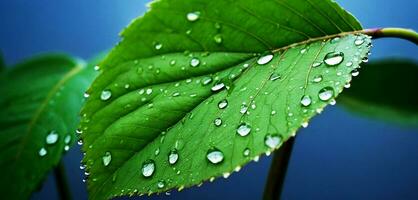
[339,156]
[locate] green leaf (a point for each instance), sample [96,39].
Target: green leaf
[155,119]
[385,90]
[41,98]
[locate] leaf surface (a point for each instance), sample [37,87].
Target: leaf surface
[41,98]
[198,88]
[386,90]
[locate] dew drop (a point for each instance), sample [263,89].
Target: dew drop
[272,141]
[148,168]
[193,16]
[67,139]
[265,59]
[306,100]
[218,38]
[316,64]
[52,137]
[275,76]
[158,46]
[243,109]
[355,72]
[206,80]
[107,157]
[215,156]
[86,95]
[173,157]
[326,93]
[106,94]
[349,64]
[358,41]
[218,87]
[246,152]
[96,68]
[217,121]
[223,104]
[161,184]
[334,58]
[149,91]
[42,152]
[66,148]
[172,62]
[194,62]
[244,129]
[317,79]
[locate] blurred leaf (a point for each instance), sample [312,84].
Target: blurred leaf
[155,119]
[387,90]
[41,98]
[2,63]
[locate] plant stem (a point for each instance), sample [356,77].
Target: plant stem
[61,182]
[277,173]
[407,34]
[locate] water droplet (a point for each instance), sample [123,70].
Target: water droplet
[306,100]
[244,129]
[193,16]
[272,141]
[52,137]
[316,64]
[275,76]
[355,72]
[302,51]
[66,148]
[265,59]
[365,60]
[223,104]
[96,68]
[148,168]
[349,64]
[107,158]
[218,38]
[358,41]
[334,58]
[161,184]
[67,139]
[172,62]
[173,157]
[218,87]
[86,95]
[347,85]
[194,62]
[206,80]
[326,93]
[176,94]
[226,174]
[215,156]
[217,121]
[317,79]
[244,109]
[335,40]
[332,102]
[305,124]
[246,152]
[42,152]
[149,91]
[106,94]
[158,46]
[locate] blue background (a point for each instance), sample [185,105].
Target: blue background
[339,156]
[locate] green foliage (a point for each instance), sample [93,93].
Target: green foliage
[386,90]
[40,101]
[2,64]
[197,88]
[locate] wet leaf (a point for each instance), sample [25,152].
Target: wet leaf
[163,89]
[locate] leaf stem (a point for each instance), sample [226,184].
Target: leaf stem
[277,173]
[61,181]
[407,34]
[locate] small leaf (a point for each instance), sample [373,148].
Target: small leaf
[40,101]
[387,90]
[212,86]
